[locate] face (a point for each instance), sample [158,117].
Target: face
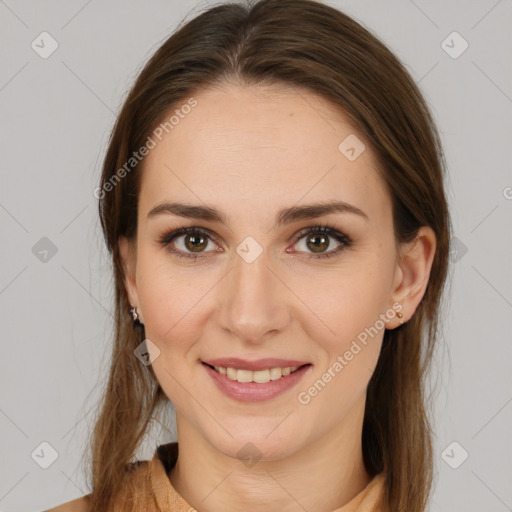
[265,280]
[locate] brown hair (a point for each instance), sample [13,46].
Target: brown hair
[308,44]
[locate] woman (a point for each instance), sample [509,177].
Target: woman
[272,197]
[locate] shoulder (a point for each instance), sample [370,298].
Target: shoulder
[134,470]
[79,505]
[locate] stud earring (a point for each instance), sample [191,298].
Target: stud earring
[400,315]
[134,313]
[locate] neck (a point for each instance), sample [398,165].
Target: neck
[322,476]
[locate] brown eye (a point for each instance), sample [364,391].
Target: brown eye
[318,243]
[195,243]
[189,243]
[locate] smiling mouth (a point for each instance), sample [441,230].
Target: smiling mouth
[259,376]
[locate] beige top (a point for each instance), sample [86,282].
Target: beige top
[148,488]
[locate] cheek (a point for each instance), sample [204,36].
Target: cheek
[172,314]
[173,300]
[349,332]
[342,303]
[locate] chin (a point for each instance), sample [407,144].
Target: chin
[264,444]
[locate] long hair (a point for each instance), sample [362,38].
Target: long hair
[307,44]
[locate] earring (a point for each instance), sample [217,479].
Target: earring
[400,315]
[134,313]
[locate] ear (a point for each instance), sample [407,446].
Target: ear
[412,273]
[127,252]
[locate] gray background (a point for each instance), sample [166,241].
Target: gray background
[55,307]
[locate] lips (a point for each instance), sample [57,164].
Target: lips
[258,364]
[258,388]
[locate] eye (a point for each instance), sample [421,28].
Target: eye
[193,243]
[317,240]
[188,242]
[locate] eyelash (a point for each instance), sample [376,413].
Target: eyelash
[323,229]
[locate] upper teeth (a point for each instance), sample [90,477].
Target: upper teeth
[260,376]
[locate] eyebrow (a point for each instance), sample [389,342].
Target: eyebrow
[284,217]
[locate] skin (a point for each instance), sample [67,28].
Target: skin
[251,151]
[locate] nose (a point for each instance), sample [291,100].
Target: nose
[253,301]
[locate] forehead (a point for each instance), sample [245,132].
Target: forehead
[242,148]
